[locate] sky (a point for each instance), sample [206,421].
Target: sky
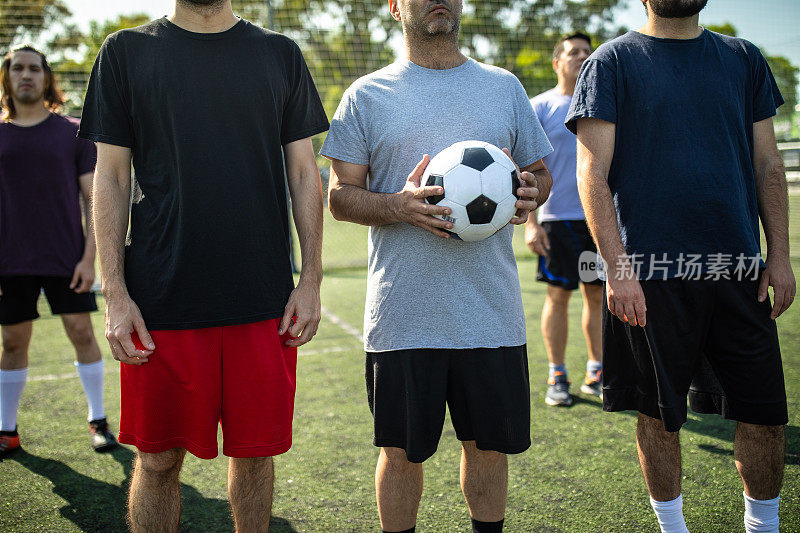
[773,25]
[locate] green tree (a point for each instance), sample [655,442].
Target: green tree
[27,19]
[345,39]
[786,76]
[72,53]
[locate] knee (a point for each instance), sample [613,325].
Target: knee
[251,465]
[15,349]
[653,429]
[162,463]
[81,334]
[484,457]
[396,458]
[593,296]
[558,297]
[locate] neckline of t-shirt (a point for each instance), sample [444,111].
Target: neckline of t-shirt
[32,126]
[438,71]
[203,36]
[670,40]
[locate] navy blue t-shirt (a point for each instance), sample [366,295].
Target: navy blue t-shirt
[682,171]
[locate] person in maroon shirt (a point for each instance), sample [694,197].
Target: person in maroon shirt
[44,169]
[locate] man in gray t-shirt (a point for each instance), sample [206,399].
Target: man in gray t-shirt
[444,322]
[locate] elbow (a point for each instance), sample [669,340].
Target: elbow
[334,203]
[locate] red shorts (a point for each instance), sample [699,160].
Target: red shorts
[240,376]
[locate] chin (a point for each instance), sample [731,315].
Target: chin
[440,27]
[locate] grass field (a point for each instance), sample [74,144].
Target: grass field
[581,473]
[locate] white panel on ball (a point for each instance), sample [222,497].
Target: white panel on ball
[504,212]
[443,162]
[500,156]
[462,185]
[477,232]
[458,215]
[496,182]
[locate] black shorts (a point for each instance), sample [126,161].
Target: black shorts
[568,239]
[20,294]
[486,389]
[711,340]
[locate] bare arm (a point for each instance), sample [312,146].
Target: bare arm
[595,152]
[83,275]
[350,200]
[536,183]
[773,208]
[112,188]
[305,190]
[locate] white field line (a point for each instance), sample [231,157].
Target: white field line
[347,328]
[115,368]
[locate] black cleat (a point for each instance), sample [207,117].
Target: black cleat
[102,439]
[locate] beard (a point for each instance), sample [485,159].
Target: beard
[202,3]
[677,9]
[442,25]
[27,96]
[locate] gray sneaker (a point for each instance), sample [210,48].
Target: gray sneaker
[558,390]
[593,384]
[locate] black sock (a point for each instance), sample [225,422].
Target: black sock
[412,530]
[9,433]
[487,527]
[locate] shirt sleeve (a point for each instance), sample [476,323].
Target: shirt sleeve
[106,117]
[303,114]
[595,94]
[347,140]
[86,157]
[767,97]
[531,143]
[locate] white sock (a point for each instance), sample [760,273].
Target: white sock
[11,384]
[761,516]
[670,515]
[91,375]
[593,367]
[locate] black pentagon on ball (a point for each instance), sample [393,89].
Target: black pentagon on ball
[435,181]
[452,235]
[515,183]
[481,210]
[477,158]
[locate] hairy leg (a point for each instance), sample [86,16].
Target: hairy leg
[250,484]
[759,454]
[398,488]
[484,482]
[154,502]
[659,457]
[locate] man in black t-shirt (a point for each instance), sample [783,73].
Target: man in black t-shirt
[201,304]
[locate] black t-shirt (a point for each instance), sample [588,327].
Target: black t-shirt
[205,116]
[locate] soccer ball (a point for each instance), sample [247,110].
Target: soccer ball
[480,187]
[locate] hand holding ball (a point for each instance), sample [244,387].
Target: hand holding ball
[480,183]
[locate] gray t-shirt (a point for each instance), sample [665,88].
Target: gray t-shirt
[424,291]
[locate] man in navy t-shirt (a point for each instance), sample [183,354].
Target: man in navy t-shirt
[44,170]
[676,163]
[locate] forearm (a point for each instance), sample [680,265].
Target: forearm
[110,210]
[89,248]
[544,182]
[601,217]
[306,193]
[773,206]
[355,204]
